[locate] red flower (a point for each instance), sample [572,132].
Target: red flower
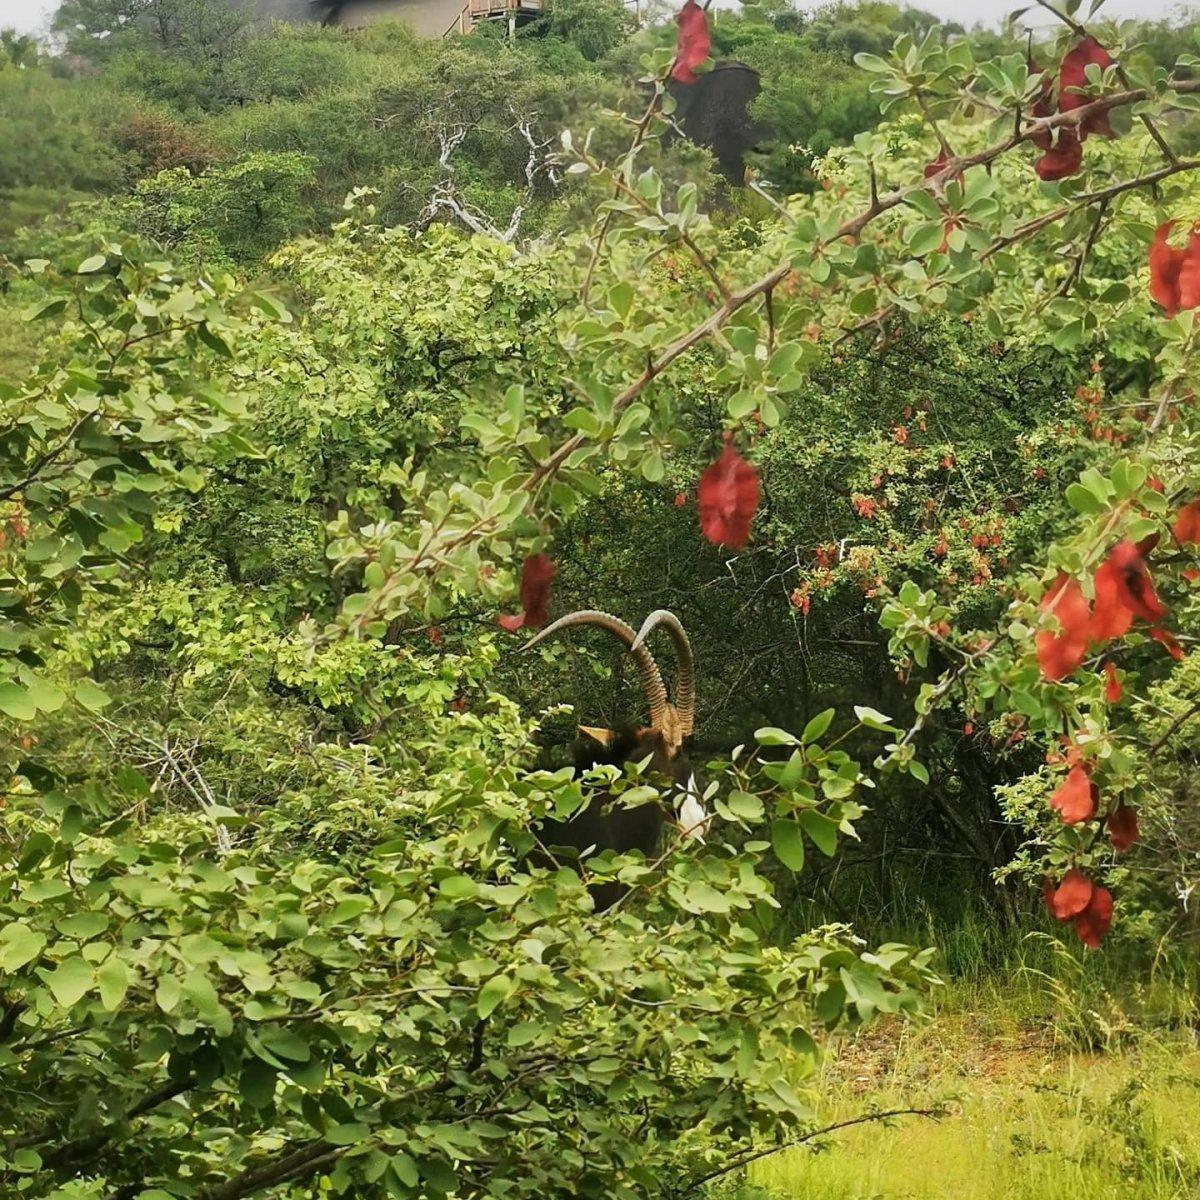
[1063,159]
[1189,273]
[1174,273]
[1060,653]
[1187,524]
[1124,590]
[1072,77]
[1111,618]
[1136,588]
[1092,924]
[728,498]
[1169,641]
[1075,799]
[1071,896]
[692,43]
[1112,685]
[680,499]
[434,634]
[537,573]
[1122,827]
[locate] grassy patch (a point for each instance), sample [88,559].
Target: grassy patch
[1030,1116]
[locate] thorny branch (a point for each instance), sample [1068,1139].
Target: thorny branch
[428,558]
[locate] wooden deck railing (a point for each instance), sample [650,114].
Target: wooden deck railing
[492,10]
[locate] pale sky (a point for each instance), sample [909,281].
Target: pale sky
[32,16]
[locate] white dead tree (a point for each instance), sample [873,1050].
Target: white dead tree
[540,164]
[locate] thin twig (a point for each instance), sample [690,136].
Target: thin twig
[743,1160]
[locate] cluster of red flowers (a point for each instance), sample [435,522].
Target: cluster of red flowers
[692,42]
[1175,272]
[1078,899]
[865,506]
[727,496]
[1064,157]
[1123,591]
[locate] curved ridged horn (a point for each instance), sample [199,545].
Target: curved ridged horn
[652,681]
[685,693]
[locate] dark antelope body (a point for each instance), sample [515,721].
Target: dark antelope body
[611,826]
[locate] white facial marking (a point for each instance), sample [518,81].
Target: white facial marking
[694,818]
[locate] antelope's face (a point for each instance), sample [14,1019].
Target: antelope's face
[599,745]
[662,740]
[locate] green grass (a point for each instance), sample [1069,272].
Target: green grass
[1027,1118]
[1066,1075]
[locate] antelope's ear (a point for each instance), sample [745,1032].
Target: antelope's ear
[593,733]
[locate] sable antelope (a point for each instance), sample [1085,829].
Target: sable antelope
[623,829]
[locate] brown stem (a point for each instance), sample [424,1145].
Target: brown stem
[45,459]
[1173,729]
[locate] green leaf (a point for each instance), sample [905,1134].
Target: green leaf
[70,981]
[702,897]
[872,718]
[871,62]
[788,843]
[25,1162]
[19,945]
[837,787]
[113,978]
[168,992]
[745,805]
[925,238]
[286,1044]
[45,695]
[771,736]
[257,1082]
[348,1134]
[493,994]
[525,1032]
[91,695]
[821,829]
[817,727]
[16,702]
[91,265]
[1083,500]
[47,308]
[458,887]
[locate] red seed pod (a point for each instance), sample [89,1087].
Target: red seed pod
[1075,798]
[728,498]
